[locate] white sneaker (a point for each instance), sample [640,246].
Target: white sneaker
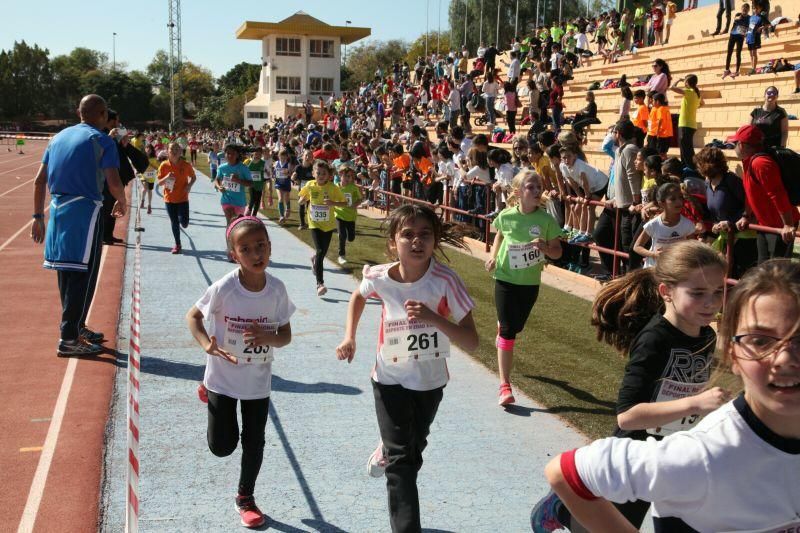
[321,289]
[342,260]
[376,464]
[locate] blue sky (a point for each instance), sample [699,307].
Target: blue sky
[208,26]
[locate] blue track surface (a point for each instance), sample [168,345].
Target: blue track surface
[483,466]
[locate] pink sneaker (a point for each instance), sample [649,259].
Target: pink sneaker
[250,514]
[376,464]
[176,249]
[505,397]
[202,393]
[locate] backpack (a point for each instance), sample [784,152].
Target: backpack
[788,162]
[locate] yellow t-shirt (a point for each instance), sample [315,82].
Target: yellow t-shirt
[689,105]
[319,215]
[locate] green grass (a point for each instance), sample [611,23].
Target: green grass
[558,361]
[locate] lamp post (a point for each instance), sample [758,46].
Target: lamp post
[114,51]
[439,26]
[480,27]
[346,24]
[497,30]
[427,12]
[466,8]
[516,20]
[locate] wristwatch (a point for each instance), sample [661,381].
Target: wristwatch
[38,216]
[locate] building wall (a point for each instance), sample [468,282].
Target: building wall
[303,66]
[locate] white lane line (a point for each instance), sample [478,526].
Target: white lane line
[23,166]
[20,230]
[46,458]
[17,187]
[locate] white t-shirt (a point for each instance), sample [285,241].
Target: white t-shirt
[662,236]
[554,59]
[513,69]
[597,180]
[228,301]
[504,174]
[490,88]
[581,41]
[442,291]
[729,473]
[478,173]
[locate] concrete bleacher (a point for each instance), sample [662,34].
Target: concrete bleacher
[692,50]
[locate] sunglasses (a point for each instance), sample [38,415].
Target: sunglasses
[771,93]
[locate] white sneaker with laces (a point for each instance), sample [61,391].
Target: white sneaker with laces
[342,260]
[321,289]
[376,464]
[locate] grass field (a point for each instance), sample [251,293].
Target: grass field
[558,361]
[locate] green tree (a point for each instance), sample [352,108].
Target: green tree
[241,77]
[68,72]
[417,48]
[196,83]
[128,94]
[364,59]
[158,70]
[28,81]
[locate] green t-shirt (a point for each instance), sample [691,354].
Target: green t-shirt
[319,215]
[638,16]
[257,174]
[688,115]
[352,194]
[519,228]
[557,33]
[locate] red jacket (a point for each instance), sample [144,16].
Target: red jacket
[765,192]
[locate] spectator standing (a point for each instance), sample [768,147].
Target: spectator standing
[76,164]
[687,119]
[767,200]
[771,119]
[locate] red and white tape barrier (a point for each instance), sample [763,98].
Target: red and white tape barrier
[134,359]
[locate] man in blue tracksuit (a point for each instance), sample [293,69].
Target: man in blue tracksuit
[77,163]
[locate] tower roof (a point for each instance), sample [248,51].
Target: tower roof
[300,23]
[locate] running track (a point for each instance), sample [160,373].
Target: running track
[54,410]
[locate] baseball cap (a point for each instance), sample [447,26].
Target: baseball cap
[747,134]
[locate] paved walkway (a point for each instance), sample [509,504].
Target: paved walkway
[483,466]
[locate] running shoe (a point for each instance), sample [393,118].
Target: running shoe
[202,393]
[250,514]
[77,348]
[91,337]
[321,289]
[342,260]
[544,516]
[376,464]
[149,210]
[282,220]
[582,238]
[176,249]
[506,396]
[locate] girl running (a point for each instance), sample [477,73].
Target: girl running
[232,178]
[660,316]
[303,173]
[425,307]
[320,195]
[666,229]
[525,235]
[283,183]
[177,176]
[240,353]
[346,216]
[735,469]
[256,167]
[149,179]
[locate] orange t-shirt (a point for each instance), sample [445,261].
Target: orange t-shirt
[180,190]
[425,168]
[642,116]
[663,122]
[402,164]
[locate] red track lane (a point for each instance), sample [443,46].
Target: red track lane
[31,374]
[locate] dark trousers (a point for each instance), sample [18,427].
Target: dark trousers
[514,304]
[347,233]
[687,146]
[178,218]
[771,246]
[77,289]
[725,6]
[322,241]
[223,434]
[404,419]
[734,41]
[745,255]
[640,134]
[109,222]
[604,236]
[255,201]
[511,120]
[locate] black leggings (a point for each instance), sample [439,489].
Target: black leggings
[687,146]
[725,6]
[178,215]
[734,41]
[322,241]
[511,119]
[255,201]
[347,233]
[223,434]
[514,304]
[404,419]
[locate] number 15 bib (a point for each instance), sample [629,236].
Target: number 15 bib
[404,341]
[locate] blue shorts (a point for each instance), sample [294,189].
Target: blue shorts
[283,184]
